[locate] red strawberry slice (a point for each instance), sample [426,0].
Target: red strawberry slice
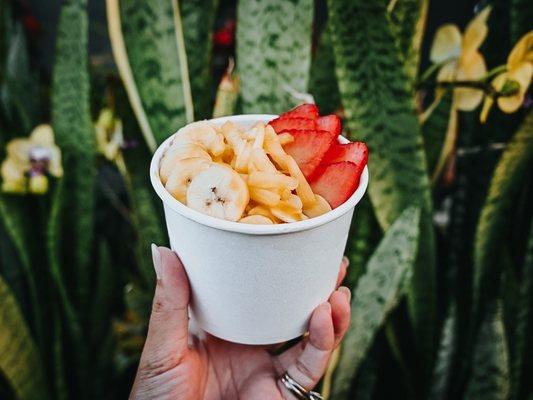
[356,152]
[308,148]
[284,124]
[336,182]
[309,111]
[330,123]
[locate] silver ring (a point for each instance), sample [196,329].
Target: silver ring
[298,390]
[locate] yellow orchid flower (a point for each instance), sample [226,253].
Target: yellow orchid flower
[460,58]
[29,160]
[519,73]
[109,137]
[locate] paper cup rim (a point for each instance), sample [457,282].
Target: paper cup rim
[238,227]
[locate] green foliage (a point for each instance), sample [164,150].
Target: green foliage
[379,107]
[273,53]
[323,84]
[150,32]
[493,228]
[198,21]
[434,130]
[72,125]
[19,358]
[377,293]
[490,371]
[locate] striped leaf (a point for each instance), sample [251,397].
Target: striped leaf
[445,356]
[20,362]
[408,21]
[377,293]
[379,107]
[493,228]
[73,129]
[521,363]
[154,43]
[489,378]
[434,130]
[323,82]
[198,22]
[273,52]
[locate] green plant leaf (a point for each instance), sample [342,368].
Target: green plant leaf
[154,42]
[73,129]
[521,363]
[445,356]
[493,228]
[273,52]
[489,379]
[198,21]
[323,82]
[377,293]
[408,21]
[378,102]
[19,359]
[434,130]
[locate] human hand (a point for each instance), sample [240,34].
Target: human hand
[175,365]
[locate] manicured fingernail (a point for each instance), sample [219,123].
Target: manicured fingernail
[156,258]
[347,292]
[346,261]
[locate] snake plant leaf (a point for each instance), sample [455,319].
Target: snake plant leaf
[71,120]
[445,357]
[154,44]
[16,225]
[379,107]
[434,130]
[323,82]
[377,293]
[273,52]
[520,19]
[19,358]
[408,22]
[521,363]
[489,378]
[198,18]
[507,181]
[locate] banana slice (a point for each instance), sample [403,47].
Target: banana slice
[287,213]
[178,152]
[243,158]
[303,190]
[264,196]
[319,207]
[260,161]
[269,180]
[220,192]
[256,220]
[285,138]
[204,135]
[182,175]
[264,211]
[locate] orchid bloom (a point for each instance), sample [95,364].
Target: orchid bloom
[109,137]
[519,73]
[28,162]
[460,58]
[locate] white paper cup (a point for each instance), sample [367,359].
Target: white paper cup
[256,284]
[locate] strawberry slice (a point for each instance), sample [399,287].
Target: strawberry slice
[336,182]
[309,111]
[356,152]
[330,123]
[283,124]
[308,148]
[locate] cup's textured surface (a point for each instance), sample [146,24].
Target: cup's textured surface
[256,284]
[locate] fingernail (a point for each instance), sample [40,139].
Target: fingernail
[156,258]
[347,292]
[346,261]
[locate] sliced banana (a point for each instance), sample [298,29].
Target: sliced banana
[319,207]
[182,175]
[256,220]
[269,180]
[285,138]
[260,160]
[287,213]
[203,134]
[220,192]
[264,196]
[303,190]
[243,158]
[264,211]
[178,152]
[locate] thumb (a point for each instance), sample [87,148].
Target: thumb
[167,339]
